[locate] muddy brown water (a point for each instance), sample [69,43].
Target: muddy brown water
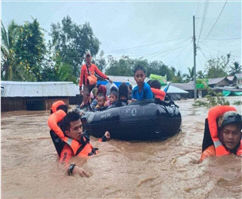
[160,169]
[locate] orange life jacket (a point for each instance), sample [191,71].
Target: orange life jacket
[160,94]
[56,104]
[213,114]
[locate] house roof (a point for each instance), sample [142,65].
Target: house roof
[173,89]
[184,86]
[38,89]
[129,79]
[212,81]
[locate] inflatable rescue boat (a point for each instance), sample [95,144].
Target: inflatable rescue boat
[143,120]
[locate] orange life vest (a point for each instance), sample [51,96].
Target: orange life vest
[56,104]
[213,114]
[83,149]
[160,94]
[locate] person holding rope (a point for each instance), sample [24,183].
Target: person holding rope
[88,78]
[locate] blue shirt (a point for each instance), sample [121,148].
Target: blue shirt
[145,93]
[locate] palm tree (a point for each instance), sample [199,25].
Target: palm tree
[190,75]
[8,53]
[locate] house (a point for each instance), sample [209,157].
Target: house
[35,95]
[219,82]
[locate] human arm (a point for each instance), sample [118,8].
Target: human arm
[147,92]
[100,73]
[82,74]
[70,169]
[209,151]
[106,137]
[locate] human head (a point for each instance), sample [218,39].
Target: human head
[154,84]
[123,92]
[101,100]
[57,106]
[72,125]
[139,75]
[113,96]
[88,58]
[102,90]
[229,129]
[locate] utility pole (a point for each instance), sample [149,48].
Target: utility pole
[194,59]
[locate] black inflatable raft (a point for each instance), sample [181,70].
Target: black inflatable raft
[138,121]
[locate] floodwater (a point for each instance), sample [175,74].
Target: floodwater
[161,169]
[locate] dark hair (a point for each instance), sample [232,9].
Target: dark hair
[101,95]
[102,89]
[61,107]
[70,117]
[115,93]
[139,67]
[130,87]
[113,88]
[123,90]
[154,84]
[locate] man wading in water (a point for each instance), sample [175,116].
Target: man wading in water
[222,134]
[69,139]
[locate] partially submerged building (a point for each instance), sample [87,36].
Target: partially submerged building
[36,95]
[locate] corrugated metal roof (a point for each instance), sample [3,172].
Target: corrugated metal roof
[173,89]
[184,86]
[38,89]
[129,79]
[212,81]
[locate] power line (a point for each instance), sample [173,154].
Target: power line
[146,45]
[223,39]
[160,52]
[211,29]
[203,19]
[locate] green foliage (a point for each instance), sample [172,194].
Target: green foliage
[190,75]
[23,51]
[235,68]
[211,99]
[125,67]
[9,70]
[237,103]
[58,71]
[217,67]
[71,42]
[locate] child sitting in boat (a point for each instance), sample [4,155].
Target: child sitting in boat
[156,89]
[113,99]
[101,100]
[222,133]
[101,90]
[142,91]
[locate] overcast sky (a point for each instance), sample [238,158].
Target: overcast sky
[155,30]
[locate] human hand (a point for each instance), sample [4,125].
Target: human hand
[80,171]
[110,80]
[107,135]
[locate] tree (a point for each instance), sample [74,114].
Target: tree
[235,68]
[217,67]
[23,50]
[9,70]
[190,75]
[71,41]
[200,74]
[30,50]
